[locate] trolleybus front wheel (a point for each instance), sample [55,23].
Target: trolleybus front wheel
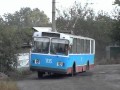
[40,74]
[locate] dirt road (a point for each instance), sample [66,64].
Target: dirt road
[102,77]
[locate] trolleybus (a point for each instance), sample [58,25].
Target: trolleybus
[61,53]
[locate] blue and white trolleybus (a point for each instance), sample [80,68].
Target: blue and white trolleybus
[55,52]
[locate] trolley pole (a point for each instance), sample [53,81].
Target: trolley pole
[53,16]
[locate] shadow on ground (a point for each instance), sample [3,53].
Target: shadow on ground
[62,76]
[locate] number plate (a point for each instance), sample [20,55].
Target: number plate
[48,60]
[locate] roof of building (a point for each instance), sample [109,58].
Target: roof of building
[42,29]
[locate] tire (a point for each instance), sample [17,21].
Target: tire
[73,70]
[87,66]
[40,74]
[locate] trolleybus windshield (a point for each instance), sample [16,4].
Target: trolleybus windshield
[41,45]
[59,46]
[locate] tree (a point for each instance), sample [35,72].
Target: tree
[9,45]
[16,29]
[83,21]
[1,20]
[115,33]
[26,17]
[117,2]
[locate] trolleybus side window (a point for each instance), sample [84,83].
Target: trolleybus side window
[87,46]
[92,46]
[81,46]
[78,46]
[74,46]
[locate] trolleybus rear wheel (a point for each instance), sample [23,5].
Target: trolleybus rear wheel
[73,70]
[87,66]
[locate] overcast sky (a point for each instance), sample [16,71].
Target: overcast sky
[10,6]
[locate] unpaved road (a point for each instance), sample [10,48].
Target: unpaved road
[102,77]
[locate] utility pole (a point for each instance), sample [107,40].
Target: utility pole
[53,16]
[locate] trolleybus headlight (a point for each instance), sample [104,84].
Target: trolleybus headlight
[60,64]
[37,61]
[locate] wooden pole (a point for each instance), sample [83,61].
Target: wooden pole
[53,16]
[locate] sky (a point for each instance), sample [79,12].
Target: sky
[10,6]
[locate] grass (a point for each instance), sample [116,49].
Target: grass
[8,85]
